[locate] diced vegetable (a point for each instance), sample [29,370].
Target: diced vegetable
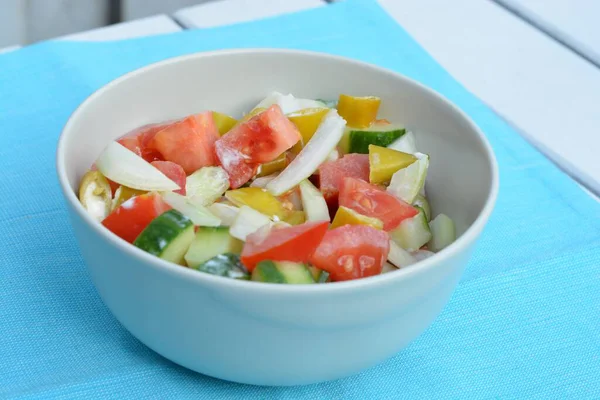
[223,122]
[412,233]
[225,212]
[295,243]
[206,185]
[129,219]
[352,252]
[189,142]
[274,166]
[209,242]
[95,194]
[358,140]
[372,201]
[421,201]
[168,236]
[282,272]
[319,275]
[313,202]
[197,213]
[259,140]
[258,199]
[247,221]
[288,103]
[400,257]
[359,112]
[443,233]
[263,181]
[383,163]
[346,216]
[227,265]
[407,182]
[295,217]
[307,121]
[312,155]
[331,174]
[128,169]
[123,194]
[406,143]
[172,171]
[292,200]
[328,103]
[387,267]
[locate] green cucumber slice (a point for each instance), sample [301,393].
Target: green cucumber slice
[319,275]
[328,103]
[282,272]
[210,242]
[227,264]
[412,233]
[168,236]
[421,201]
[379,135]
[406,143]
[408,182]
[443,233]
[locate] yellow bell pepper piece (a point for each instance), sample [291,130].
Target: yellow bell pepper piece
[123,194]
[347,216]
[359,112]
[258,199]
[295,217]
[276,165]
[384,162]
[223,122]
[95,194]
[307,121]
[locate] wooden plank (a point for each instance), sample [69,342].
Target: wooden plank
[227,12]
[574,23]
[549,93]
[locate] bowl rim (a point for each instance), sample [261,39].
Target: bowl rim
[470,235]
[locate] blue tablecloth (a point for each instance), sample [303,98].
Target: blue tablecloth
[523,323]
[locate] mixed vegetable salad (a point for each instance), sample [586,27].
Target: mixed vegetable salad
[296,191]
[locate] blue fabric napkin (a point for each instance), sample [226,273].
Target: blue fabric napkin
[523,323]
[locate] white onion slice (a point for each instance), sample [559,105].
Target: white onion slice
[123,166]
[313,202]
[288,103]
[198,214]
[247,221]
[225,212]
[315,152]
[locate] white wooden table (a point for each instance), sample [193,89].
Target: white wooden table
[547,91]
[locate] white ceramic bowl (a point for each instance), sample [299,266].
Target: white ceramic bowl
[263,333]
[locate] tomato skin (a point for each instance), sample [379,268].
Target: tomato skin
[174,172]
[132,217]
[295,243]
[132,143]
[373,201]
[352,252]
[189,142]
[259,140]
[332,173]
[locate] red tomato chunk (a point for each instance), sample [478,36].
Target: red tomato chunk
[172,171]
[332,173]
[132,217]
[352,252]
[259,140]
[372,201]
[295,243]
[189,142]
